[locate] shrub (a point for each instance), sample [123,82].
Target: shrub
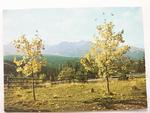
[123,77]
[42,77]
[67,74]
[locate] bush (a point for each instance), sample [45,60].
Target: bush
[81,76]
[123,77]
[67,74]
[42,77]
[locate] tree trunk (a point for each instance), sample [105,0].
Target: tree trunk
[33,88]
[108,90]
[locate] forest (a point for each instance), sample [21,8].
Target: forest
[57,63]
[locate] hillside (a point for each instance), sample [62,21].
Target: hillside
[53,60]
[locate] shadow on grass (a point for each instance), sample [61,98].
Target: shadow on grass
[110,103]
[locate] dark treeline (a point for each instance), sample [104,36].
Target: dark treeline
[72,70]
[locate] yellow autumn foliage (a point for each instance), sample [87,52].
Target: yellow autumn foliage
[106,48]
[31,61]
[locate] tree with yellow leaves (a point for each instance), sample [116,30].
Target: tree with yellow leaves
[106,49]
[32,61]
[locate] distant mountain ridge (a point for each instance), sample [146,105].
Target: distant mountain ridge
[74,49]
[69,49]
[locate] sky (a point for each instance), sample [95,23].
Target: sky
[56,25]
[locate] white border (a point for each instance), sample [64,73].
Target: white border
[30,4]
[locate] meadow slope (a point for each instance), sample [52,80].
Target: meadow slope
[127,95]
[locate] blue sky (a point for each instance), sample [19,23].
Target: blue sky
[72,24]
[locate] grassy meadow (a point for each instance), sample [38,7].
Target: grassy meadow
[127,95]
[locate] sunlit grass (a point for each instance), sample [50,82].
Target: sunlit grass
[78,97]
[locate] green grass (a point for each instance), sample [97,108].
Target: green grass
[127,95]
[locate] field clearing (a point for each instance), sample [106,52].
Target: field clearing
[127,95]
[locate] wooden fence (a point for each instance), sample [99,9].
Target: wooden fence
[22,82]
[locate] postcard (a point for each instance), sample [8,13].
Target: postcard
[74,59]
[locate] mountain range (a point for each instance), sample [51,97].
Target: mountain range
[74,49]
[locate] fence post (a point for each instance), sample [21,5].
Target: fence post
[7,82]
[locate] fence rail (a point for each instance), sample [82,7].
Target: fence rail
[22,82]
